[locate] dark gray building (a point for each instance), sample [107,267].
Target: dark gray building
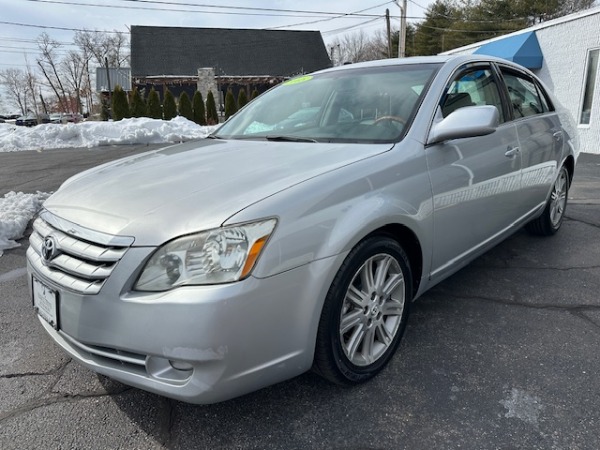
[181,58]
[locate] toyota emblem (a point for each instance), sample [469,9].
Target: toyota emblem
[49,249]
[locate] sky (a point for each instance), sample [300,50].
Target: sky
[21,21]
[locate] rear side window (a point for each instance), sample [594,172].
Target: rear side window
[525,99]
[473,86]
[545,100]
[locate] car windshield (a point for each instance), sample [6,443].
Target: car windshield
[372,104]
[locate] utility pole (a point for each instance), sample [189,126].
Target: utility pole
[389,33]
[402,33]
[403,25]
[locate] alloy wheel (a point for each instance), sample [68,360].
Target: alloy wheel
[372,309]
[558,198]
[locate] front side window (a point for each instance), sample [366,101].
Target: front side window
[590,82]
[476,86]
[351,105]
[523,94]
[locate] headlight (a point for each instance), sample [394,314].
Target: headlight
[216,256]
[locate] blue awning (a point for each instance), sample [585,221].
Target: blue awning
[523,49]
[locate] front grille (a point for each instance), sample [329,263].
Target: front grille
[83,259]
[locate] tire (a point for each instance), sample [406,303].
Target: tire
[551,219]
[373,309]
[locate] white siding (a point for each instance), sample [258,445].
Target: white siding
[565,49]
[565,44]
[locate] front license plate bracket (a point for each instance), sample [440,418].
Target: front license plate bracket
[45,303]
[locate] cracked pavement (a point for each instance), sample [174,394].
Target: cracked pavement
[504,354]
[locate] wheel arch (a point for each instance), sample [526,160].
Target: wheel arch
[570,165]
[410,244]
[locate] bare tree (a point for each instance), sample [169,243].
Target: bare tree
[48,62]
[85,41]
[377,46]
[118,45]
[74,66]
[350,48]
[357,47]
[99,46]
[94,47]
[32,88]
[15,82]
[22,87]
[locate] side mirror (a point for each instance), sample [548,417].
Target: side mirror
[470,121]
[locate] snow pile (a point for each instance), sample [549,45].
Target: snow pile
[94,134]
[16,210]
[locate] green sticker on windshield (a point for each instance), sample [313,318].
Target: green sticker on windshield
[298,80]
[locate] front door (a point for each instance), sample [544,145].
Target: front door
[475,181]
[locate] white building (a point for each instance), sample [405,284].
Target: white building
[565,54]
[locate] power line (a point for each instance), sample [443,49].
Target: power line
[30,50]
[416,4]
[28,41]
[59,28]
[270,11]
[246,8]
[331,18]
[341,30]
[15,65]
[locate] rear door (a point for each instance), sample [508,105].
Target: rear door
[540,136]
[476,181]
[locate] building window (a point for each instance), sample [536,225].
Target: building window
[590,82]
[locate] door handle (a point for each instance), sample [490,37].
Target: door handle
[557,135]
[511,152]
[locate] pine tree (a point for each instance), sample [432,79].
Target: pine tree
[199,110]
[255,94]
[431,37]
[138,106]
[185,106]
[212,118]
[120,107]
[169,106]
[242,98]
[230,106]
[154,108]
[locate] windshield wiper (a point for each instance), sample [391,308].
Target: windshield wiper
[289,139]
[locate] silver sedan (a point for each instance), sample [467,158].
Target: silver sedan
[298,234]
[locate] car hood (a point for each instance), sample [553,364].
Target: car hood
[195,186]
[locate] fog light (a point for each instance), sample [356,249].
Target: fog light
[181,365]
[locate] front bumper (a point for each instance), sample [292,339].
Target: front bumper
[198,344]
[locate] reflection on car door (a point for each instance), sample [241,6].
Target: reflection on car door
[475,181]
[540,136]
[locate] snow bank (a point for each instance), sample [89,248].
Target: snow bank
[94,134]
[16,210]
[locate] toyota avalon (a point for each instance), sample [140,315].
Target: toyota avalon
[296,236]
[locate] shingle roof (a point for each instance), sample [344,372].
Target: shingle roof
[159,51]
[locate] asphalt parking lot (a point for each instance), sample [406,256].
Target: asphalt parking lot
[502,355]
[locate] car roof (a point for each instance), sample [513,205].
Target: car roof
[455,60]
